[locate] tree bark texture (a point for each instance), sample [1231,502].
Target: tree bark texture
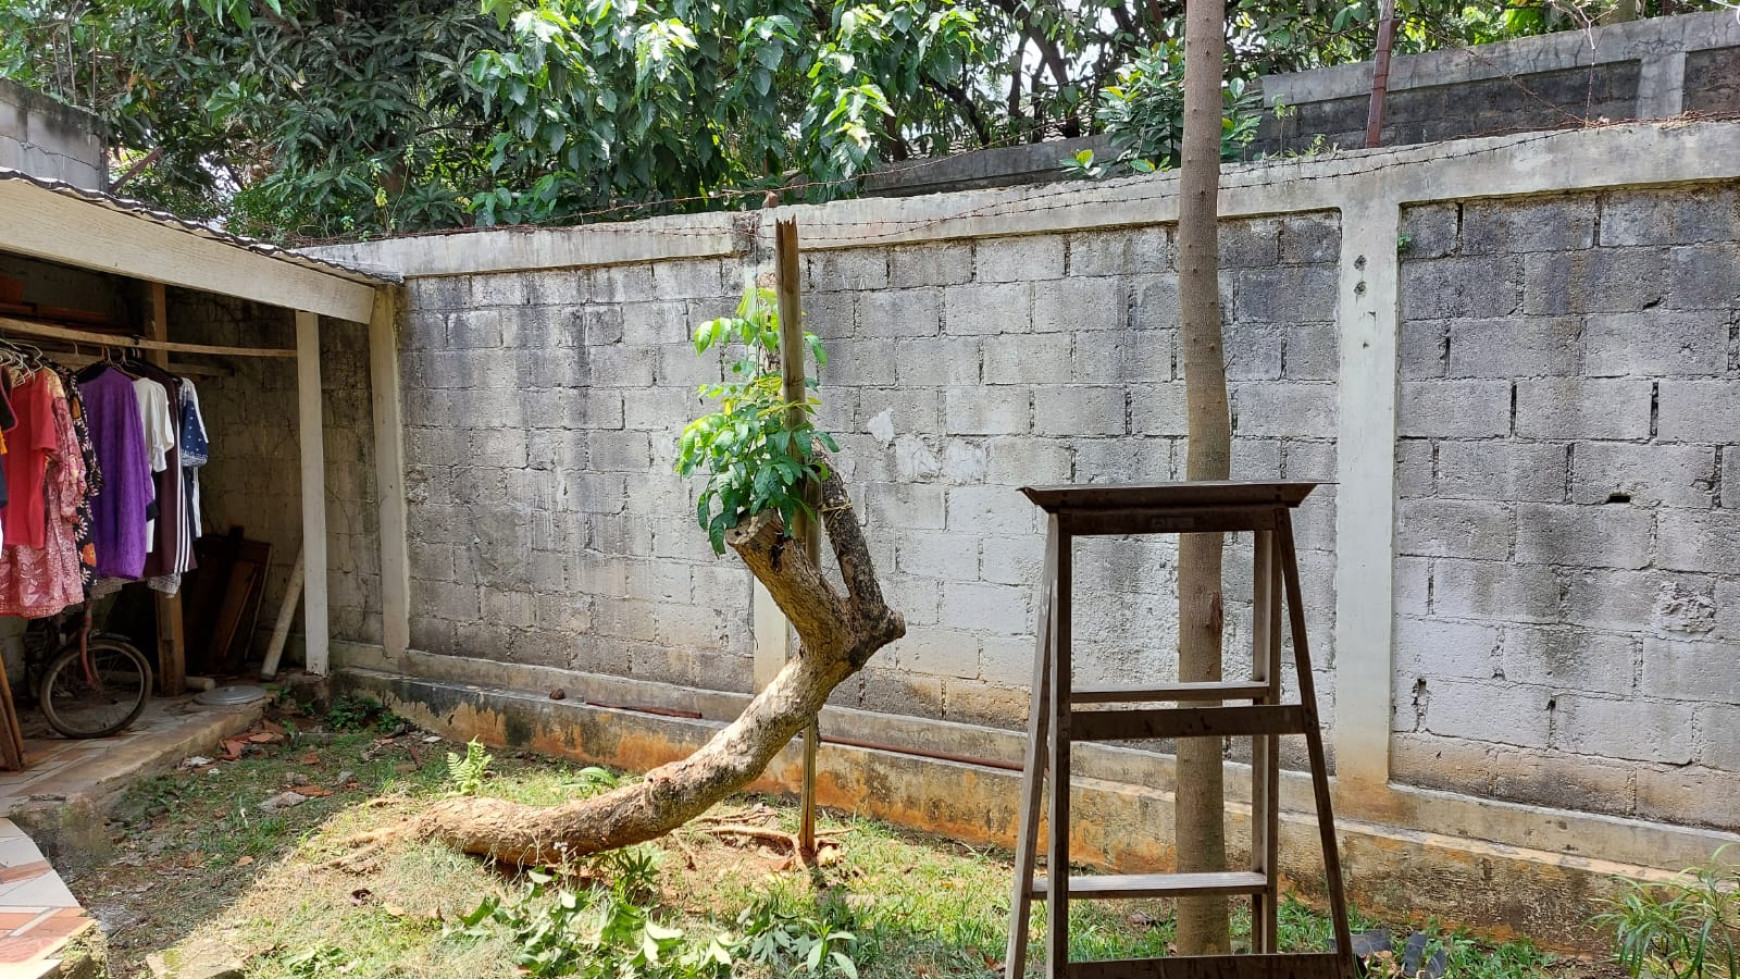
[838,633]
[1200,806]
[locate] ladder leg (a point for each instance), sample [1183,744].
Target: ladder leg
[1314,746]
[1033,773]
[1265,757]
[1057,850]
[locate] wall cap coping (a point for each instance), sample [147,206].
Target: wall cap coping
[1638,40]
[1554,161]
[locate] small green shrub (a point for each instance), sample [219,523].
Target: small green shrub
[791,942]
[612,930]
[313,963]
[754,459]
[603,932]
[360,713]
[592,780]
[1687,928]
[467,773]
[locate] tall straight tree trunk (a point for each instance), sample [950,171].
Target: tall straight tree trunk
[1200,814]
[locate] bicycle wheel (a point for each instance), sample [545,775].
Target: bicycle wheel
[93,701]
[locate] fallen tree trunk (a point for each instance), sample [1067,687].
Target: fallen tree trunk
[838,634]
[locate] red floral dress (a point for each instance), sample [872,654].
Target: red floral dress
[40,581]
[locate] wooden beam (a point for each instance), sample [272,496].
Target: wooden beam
[153,345]
[1296,965]
[311,440]
[45,224]
[387,408]
[1189,722]
[171,635]
[1103,886]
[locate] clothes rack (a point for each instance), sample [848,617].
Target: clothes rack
[29,328]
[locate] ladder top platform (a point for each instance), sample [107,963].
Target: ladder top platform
[1170,496]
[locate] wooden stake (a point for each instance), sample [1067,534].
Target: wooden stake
[1380,75]
[11,736]
[804,529]
[286,612]
[171,636]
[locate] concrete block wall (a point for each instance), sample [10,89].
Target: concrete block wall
[961,371]
[1512,355]
[547,524]
[1568,537]
[543,409]
[253,479]
[1654,68]
[45,138]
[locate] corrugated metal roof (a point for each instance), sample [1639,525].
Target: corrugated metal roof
[145,212]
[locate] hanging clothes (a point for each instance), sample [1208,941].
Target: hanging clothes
[8,421]
[119,510]
[83,523]
[159,436]
[161,561]
[195,453]
[37,581]
[26,461]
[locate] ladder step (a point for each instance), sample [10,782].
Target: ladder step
[1186,722]
[1157,885]
[1298,965]
[1229,690]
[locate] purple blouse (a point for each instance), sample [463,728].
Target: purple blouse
[118,513]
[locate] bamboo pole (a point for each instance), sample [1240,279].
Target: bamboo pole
[805,531]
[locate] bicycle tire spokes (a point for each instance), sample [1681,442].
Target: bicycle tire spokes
[96,691]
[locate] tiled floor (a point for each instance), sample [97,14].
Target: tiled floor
[37,912]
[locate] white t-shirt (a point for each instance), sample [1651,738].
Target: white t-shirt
[154,412]
[159,439]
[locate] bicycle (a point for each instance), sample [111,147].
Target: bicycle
[94,684]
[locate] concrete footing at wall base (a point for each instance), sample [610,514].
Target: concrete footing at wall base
[1499,889]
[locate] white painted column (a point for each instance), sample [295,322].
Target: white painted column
[311,442]
[1365,506]
[773,640]
[386,405]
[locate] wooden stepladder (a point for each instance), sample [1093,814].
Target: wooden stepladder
[1063,714]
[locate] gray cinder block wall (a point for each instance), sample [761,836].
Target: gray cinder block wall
[253,478]
[1510,360]
[45,138]
[549,528]
[1654,68]
[1565,363]
[1568,609]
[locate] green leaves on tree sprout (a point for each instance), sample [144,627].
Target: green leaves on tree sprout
[754,458]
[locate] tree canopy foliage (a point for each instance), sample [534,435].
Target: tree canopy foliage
[310,119]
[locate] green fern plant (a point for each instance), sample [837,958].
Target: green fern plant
[467,773]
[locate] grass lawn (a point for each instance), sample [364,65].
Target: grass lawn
[201,862]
